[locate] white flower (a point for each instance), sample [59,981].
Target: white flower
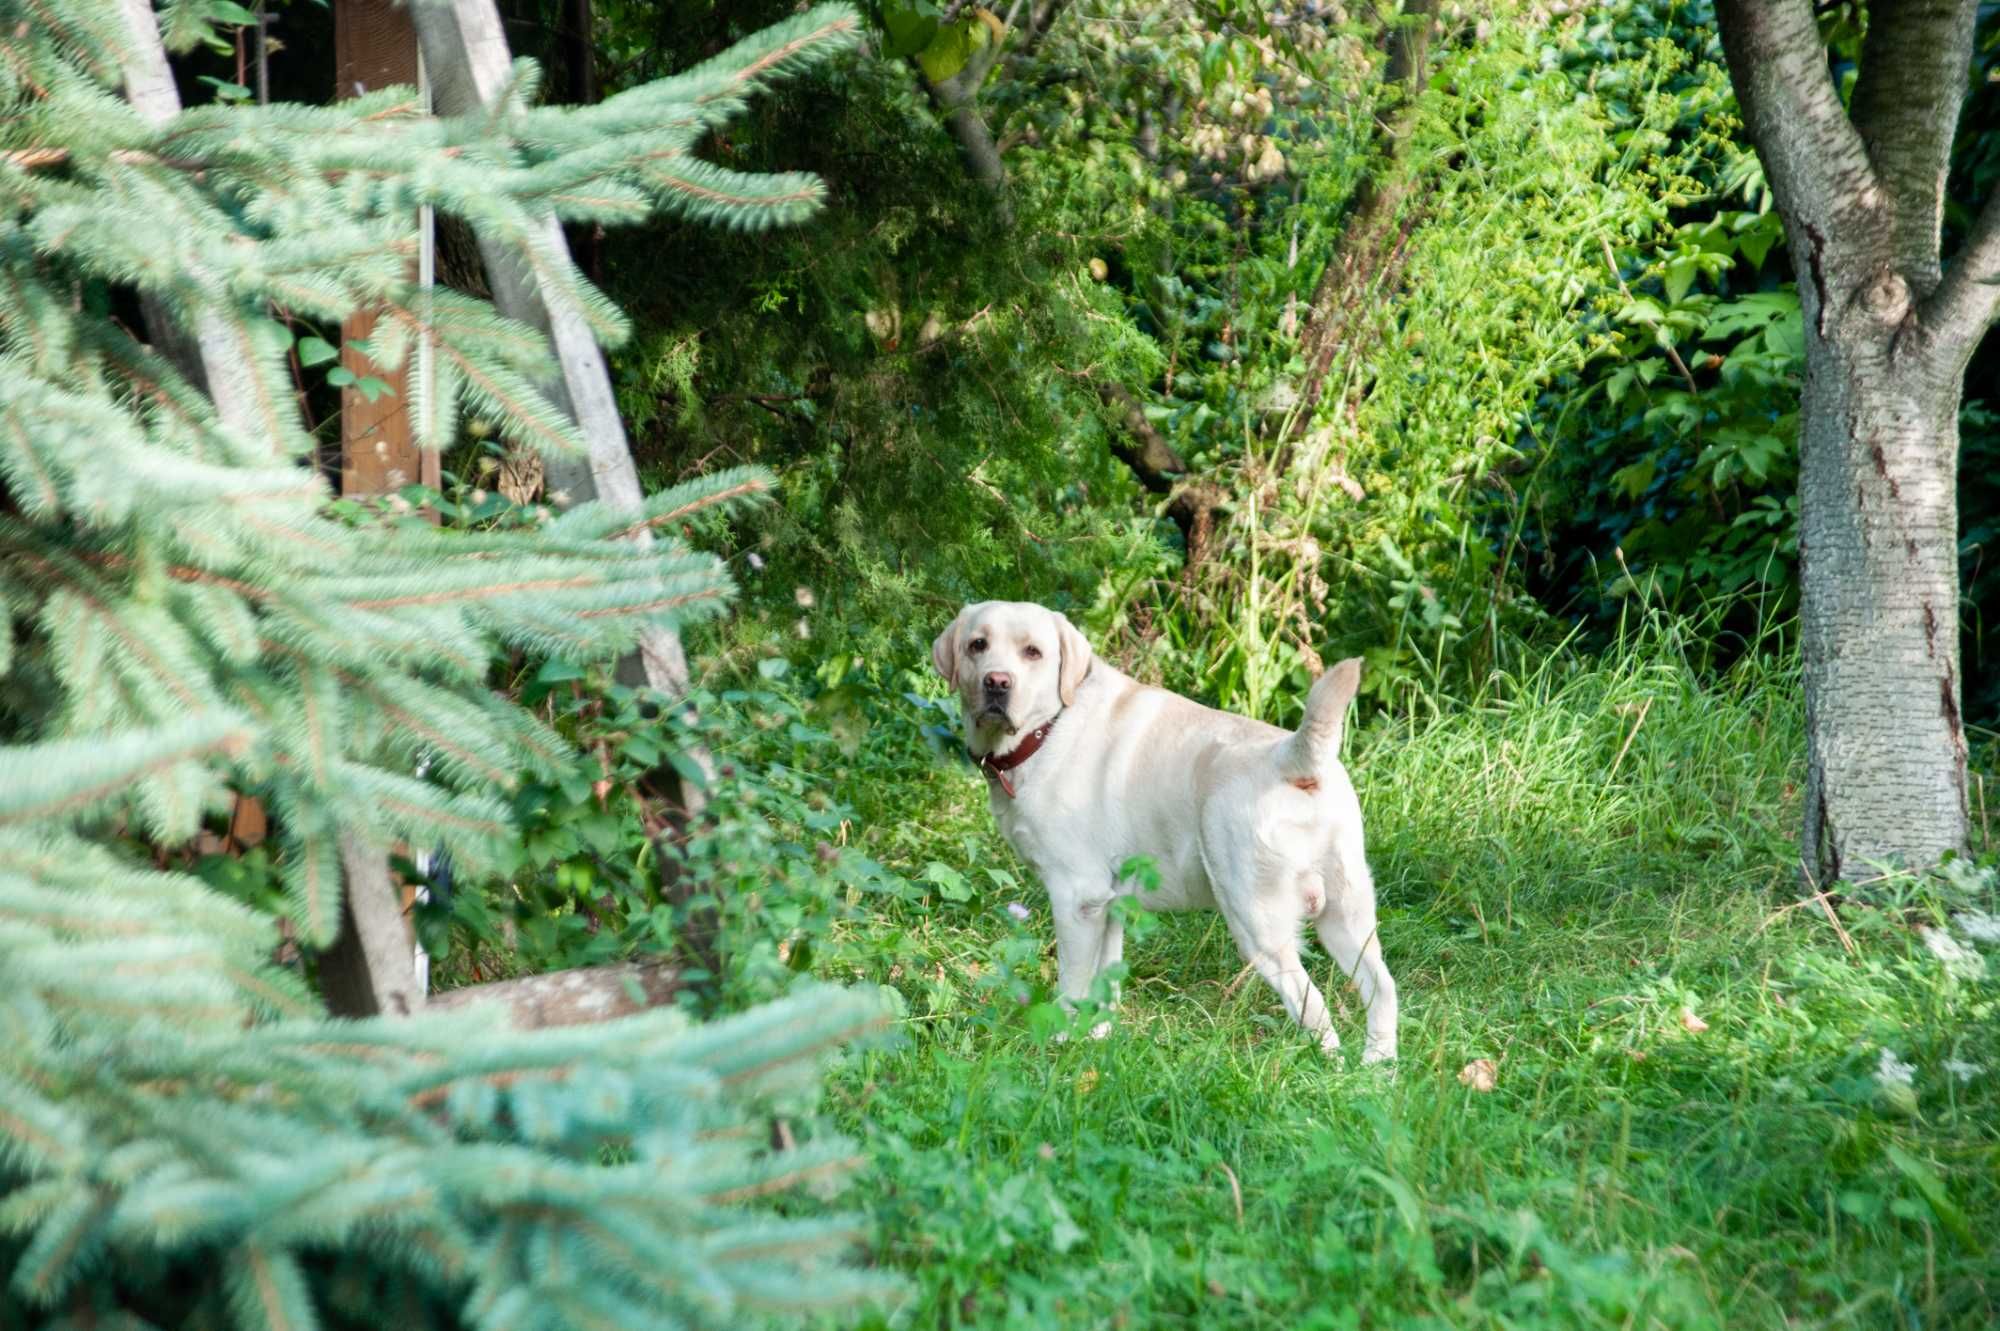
[804,596]
[1018,911]
[755,561]
[1959,959]
[1893,1071]
[1978,925]
[1963,1071]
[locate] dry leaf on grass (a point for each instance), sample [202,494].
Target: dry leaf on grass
[1479,1074]
[1693,1024]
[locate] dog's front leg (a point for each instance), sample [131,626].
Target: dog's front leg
[1088,938]
[1081,931]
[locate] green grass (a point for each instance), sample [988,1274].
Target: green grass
[1577,873]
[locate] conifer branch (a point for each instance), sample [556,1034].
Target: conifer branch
[163,553]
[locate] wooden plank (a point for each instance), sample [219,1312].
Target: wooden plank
[375,47]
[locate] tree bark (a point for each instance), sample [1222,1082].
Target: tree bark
[371,970]
[1146,451]
[205,354]
[957,100]
[1878,554]
[1888,332]
[374,959]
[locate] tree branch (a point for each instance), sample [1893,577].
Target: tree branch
[1816,161]
[957,98]
[1040,19]
[1965,303]
[1906,105]
[1147,452]
[1369,254]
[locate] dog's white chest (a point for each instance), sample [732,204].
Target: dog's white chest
[1029,842]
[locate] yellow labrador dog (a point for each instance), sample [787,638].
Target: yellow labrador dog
[1086,767]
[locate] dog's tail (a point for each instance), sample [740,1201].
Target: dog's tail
[1312,748]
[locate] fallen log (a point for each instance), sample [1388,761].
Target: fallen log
[573,997]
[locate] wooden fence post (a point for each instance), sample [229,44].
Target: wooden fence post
[374,47]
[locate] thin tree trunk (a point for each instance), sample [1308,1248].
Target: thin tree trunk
[375,957]
[957,100]
[1146,451]
[1369,257]
[371,969]
[467,58]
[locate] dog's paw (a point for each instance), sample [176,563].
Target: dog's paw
[1378,1054]
[1329,1044]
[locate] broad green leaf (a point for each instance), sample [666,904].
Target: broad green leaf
[910,26]
[1680,276]
[951,48]
[316,351]
[1932,1187]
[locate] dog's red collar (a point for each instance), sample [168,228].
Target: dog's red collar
[997,768]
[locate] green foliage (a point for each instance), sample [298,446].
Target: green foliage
[184,1140]
[750,896]
[1674,478]
[173,568]
[921,379]
[173,1155]
[1671,472]
[1367,525]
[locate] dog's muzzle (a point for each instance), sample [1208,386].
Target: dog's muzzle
[993,710]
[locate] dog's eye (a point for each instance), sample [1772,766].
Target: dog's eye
[1032,653]
[978,645]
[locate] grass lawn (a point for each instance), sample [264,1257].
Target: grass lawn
[1585,879]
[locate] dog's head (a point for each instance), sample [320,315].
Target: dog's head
[1014,665]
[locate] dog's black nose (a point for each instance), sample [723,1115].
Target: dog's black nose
[998,681]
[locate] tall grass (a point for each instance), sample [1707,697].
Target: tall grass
[1588,880]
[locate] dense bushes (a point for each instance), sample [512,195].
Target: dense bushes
[1578,388]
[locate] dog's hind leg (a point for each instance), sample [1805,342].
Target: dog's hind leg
[1269,941]
[1347,930]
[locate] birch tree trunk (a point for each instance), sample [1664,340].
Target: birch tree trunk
[1889,328]
[467,58]
[375,954]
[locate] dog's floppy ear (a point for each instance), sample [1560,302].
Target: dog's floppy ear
[944,652]
[1076,659]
